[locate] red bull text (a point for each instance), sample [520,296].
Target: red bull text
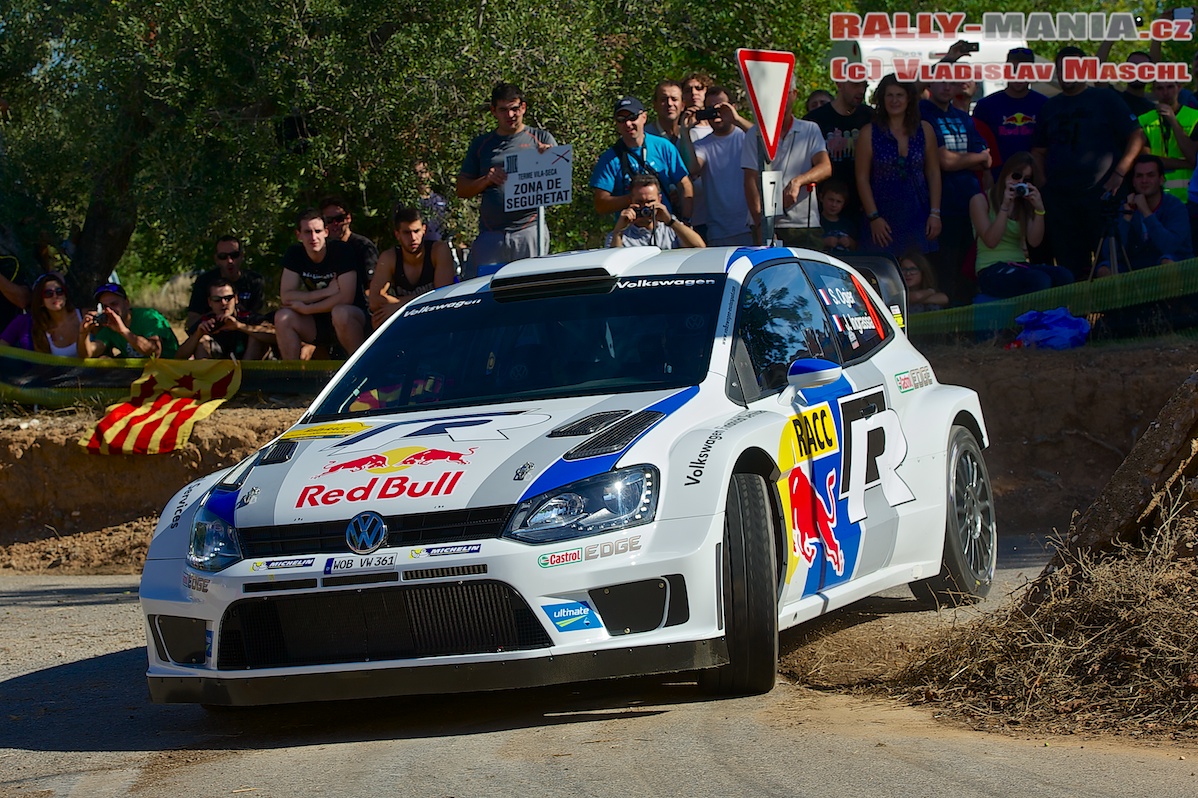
[379,488]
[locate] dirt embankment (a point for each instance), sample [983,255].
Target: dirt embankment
[1059,425]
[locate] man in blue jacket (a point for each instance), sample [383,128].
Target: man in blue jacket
[1154,226]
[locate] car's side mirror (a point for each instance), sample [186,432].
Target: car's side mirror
[812,372]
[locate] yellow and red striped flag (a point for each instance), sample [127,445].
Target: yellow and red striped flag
[165,403]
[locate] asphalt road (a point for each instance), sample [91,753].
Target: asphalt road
[75,720]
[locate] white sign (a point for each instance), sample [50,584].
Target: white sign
[767,75]
[771,193]
[535,179]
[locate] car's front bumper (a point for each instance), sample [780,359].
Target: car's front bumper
[437,679]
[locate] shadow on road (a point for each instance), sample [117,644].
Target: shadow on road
[102,704]
[57,595]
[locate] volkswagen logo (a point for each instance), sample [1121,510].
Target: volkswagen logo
[365,533]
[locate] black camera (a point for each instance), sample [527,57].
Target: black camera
[646,211]
[707,114]
[972,47]
[101,315]
[1020,189]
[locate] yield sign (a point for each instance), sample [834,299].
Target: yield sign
[767,74]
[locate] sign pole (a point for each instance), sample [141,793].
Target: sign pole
[540,229]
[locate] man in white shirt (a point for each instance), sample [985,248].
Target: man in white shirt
[802,158]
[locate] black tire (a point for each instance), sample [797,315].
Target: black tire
[750,592]
[970,533]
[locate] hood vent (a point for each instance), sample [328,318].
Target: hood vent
[615,437]
[589,425]
[280,452]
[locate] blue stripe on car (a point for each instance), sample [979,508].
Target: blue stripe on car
[563,472]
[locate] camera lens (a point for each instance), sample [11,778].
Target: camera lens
[1021,189]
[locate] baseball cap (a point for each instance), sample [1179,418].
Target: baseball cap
[629,105]
[110,288]
[1020,54]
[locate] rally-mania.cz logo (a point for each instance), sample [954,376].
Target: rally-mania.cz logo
[1042,26]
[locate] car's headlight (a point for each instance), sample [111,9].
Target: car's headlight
[214,545]
[604,503]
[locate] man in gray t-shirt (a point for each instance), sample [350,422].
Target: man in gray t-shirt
[502,236]
[646,222]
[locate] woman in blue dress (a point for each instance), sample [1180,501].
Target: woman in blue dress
[898,173]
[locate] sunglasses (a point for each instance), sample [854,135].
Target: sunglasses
[338,219]
[51,292]
[223,298]
[624,120]
[228,255]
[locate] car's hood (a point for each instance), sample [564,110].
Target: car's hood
[444,460]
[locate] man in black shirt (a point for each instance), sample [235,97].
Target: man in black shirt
[840,121]
[1084,143]
[337,219]
[249,286]
[322,304]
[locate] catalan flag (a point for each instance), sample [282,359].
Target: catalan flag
[164,404]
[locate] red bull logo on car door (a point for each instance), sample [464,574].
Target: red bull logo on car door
[827,465]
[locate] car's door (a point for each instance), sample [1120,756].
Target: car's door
[781,319]
[874,444]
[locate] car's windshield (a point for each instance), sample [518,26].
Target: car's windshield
[641,334]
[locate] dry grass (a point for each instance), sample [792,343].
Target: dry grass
[1111,645]
[170,299]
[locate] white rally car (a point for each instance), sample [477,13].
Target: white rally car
[585,466]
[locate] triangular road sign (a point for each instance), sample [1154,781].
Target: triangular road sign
[767,74]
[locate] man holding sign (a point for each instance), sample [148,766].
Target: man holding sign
[503,236]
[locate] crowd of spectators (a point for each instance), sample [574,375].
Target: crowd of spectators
[1022,192]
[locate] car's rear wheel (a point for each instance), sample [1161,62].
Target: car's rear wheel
[750,590]
[970,533]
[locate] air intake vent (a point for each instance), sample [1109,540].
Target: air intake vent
[445,573]
[589,425]
[616,437]
[372,624]
[280,452]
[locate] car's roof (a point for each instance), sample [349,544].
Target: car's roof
[622,262]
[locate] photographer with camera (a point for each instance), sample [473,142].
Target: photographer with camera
[646,222]
[116,327]
[1008,219]
[1154,226]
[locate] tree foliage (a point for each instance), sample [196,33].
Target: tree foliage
[169,123]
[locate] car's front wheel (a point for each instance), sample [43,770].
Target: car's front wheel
[750,591]
[970,533]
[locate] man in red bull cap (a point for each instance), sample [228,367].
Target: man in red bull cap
[1007,118]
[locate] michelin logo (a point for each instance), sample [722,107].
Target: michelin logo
[444,551]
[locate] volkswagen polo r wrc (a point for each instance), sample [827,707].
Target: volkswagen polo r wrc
[585,466]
